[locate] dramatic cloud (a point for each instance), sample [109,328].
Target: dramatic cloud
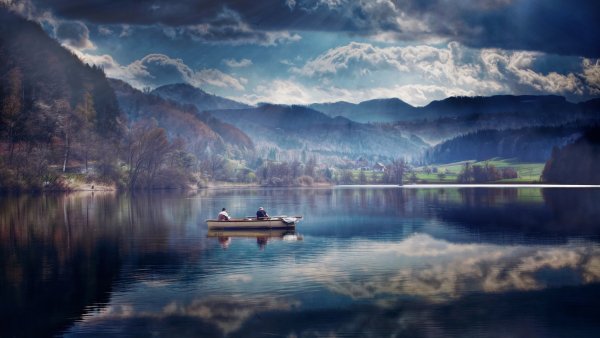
[479,72]
[553,26]
[229,27]
[157,69]
[516,67]
[417,51]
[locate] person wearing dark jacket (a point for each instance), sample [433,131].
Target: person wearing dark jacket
[223,215]
[261,213]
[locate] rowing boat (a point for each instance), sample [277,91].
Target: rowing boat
[275,222]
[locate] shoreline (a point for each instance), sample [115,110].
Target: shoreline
[112,189]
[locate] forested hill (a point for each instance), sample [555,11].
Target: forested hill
[297,129]
[57,114]
[200,131]
[185,93]
[524,144]
[576,163]
[50,82]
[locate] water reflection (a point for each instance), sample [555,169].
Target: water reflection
[373,261]
[262,236]
[438,270]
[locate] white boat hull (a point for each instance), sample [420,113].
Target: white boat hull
[253,223]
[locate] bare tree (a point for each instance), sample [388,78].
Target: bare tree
[147,147]
[11,108]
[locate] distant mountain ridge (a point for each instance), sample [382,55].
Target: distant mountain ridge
[299,128]
[378,110]
[393,109]
[188,94]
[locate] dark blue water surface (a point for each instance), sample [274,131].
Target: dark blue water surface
[365,261]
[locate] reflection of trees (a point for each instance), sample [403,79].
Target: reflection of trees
[54,264]
[61,253]
[574,209]
[554,212]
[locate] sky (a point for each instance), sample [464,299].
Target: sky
[311,51]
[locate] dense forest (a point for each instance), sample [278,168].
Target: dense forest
[576,163]
[524,144]
[62,123]
[55,110]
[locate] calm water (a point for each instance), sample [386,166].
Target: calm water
[369,261]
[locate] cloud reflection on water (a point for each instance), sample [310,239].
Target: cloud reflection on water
[226,314]
[438,270]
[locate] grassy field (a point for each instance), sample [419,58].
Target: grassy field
[528,172]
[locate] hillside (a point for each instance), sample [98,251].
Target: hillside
[200,131]
[448,118]
[187,94]
[47,73]
[524,144]
[577,162]
[299,128]
[57,114]
[380,110]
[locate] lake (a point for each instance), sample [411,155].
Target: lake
[364,261]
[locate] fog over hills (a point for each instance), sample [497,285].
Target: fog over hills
[301,128]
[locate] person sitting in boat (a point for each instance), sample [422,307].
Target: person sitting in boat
[223,215]
[261,213]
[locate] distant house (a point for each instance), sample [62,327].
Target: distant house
[361,163]
[379,167]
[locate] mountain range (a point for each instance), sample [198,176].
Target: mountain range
[48,74]
[298,128]
[396,110]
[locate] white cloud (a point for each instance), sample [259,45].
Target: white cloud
[591,73]
[158,69]
[516,68]
[454,67]
[238,63]
[440,66]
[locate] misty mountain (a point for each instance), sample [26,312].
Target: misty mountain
[462,106]
[298,128]
[200,131]
[555,108]
[187,94]
[380,110]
